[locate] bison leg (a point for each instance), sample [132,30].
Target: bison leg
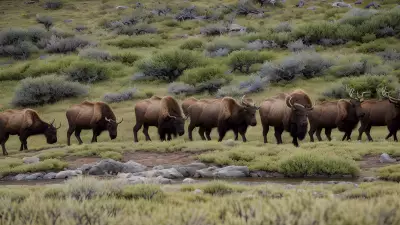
[295,142]
[367,131]
[190,131]
[201,133]
[3,144]
[162,135]
[278,134]
[311,133]
[69,133]
[242,132]
[395,136]
[221,132]
[265,133]
[23,138]
[136,128]
[328,132]
[208,133]
[361,131]
[169,137]
[318,134]
[78,135]
[146,132]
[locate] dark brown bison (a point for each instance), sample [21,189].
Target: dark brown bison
[24,123]
[380,113]
[97,116]
[342,114]
[163,113]
[286,112]
[225,114]
[186,103]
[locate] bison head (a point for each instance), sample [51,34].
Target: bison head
[356,101]
[173,124]
[298,119]
[112,127]
[394,101]
[249,111]
[51,133]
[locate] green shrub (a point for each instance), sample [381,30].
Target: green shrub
[169,65]
[139,29]
[366,83]
[88,72]
[391,173]
[65,45]
[21,50]
[192,44]
[46,89]
[15,195]
[199,75]
[314,32]
[96,54]
[126,58]
[143,191]
[136,42]
[223,46]
[368,38]
[310,164]
[42,166]
[217,188]
[111,155]
[373,46]
[243,60]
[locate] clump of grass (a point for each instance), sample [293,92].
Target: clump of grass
[192,44]
[42,166]
[217,188]
[96,54]
[143,191]
[127,58]
[137,42]
[111,155]
[391,173]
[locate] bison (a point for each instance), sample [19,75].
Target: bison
[342,114]
[97,116]
[286,112]
[24,123]
[381,113]
[225,114]
[163,113]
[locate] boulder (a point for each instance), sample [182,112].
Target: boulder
[133,167]
[31,160]
[206,172]
[110,166]
[34,176]
[188,181]
[124,175]
[20,176]
[232,172]
[190,169]
[358,2]
[50,176]
[137,180]
[85,168]
[385,158]
[67,174]
[162,180]
[341,5]
[168,173]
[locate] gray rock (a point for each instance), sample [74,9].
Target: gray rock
[85,168]
[369,179]
[124,175]
[232,172]
[133,167]
[206,172]
[190,169]
[34,176]
[121,7]
[67,174]
[341,5]
[110,166]
[20,176]
[229,143]
[168,173]
[31,160]
[188,181]
[385,158]
[137,180]
[198,191]
[50,176]
[237,28]
[358,2]
[162,180]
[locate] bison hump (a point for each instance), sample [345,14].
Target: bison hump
[169,106]
[228,105]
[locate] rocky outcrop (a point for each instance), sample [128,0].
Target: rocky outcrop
[110,166]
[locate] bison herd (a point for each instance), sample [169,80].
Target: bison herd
[290,112]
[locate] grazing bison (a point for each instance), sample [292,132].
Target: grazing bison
[380,113]
[24,123]
[286,112]
[342,114]
[96,116]
[225,114]
[163,113]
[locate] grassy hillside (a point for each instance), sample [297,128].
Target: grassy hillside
[317,48]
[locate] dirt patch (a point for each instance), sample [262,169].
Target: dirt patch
[154,159]
[372,161]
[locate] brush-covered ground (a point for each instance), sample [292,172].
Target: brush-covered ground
[94,51]
[91,201]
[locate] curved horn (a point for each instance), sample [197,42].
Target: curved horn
[120,121]
[58,126]
[242,100]
[350,91]
[108,120]
[171,116]
[52,121]
[300,105]
[290,102]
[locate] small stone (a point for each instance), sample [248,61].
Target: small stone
[169,173]
[133,167]
[207,172]
[230,143]
[31,160]
[198,191]
[341,5]
[50,176]
[121,7]
[385,158]
[188,181]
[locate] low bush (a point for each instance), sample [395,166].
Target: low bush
[218,188]
[97,54]
[188,13]
[243,60]
[179,88]
[283,27]
[390,55]
[137,42]
[298,46]
[65,45]
[21,50]
[121,96]
[47,21]
[111,155]
[353,66]
[258,45]
[42,166]
[87,72]
[223,46]
[192,44]
[46,90]
[231,90]
[390,173]
[368,83]
[143,191]
[373,46]
[213,30]
[204,74]
[53,4]
[126,58]
[169,65]
[306,64]
[311,164]
[246,7]
[139,29]
[254,85]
